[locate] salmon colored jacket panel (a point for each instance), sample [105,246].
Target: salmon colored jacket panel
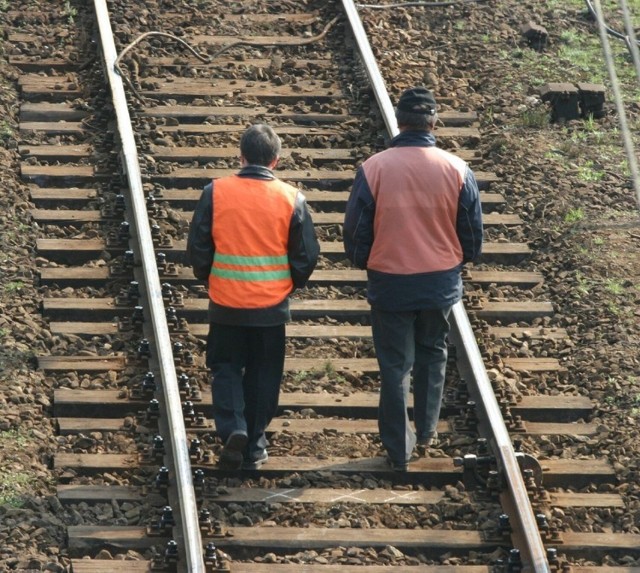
[406,215]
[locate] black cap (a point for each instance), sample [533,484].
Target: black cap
[417,100]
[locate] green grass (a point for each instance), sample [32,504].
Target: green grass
[614,286]
[15,485]
[6,132]
[13,287]
[574,215]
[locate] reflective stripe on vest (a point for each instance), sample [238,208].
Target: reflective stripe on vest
[250,231]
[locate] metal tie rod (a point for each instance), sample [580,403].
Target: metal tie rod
[533,553]
[192,539]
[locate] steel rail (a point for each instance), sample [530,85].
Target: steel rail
[189,537]
[531,547]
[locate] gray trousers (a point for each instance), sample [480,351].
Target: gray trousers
[406,343]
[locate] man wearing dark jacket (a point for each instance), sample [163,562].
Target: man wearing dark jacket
[252,239]
[413,219]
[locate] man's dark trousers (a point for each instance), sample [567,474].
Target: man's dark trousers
[406,342]
[246,364]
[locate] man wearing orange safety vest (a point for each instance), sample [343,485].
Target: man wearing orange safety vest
[413,218]
[252,239]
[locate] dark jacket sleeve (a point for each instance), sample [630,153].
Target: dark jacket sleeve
[303,249]
[469,223]
[358,221]
[200,247]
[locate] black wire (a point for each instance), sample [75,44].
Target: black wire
[610,31]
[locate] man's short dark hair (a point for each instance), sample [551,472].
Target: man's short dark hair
[416,121]
[260,145]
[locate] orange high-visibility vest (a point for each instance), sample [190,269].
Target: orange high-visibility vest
[250,231]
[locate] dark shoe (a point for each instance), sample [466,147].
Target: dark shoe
[256,462]
[397,466]
[231,455]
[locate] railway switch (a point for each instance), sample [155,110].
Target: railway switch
[536,35]
[471,465]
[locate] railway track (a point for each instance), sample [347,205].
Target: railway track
[326,501]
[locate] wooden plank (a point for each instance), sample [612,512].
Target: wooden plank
[181,88]
[81,363]
[534,364]
[44,174]
[570,499]
[50,112]
[54,128]
[198,113]
[556,473]
[99,494]
[505,311]
[194,310]
[96,494]
[115,403]
[54,197]
[84,538]
[54,216]
[34,64]
[57,152]
[65,216]
[256,539]
[69,251]
[189,176]
[187,198]
[322,425]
